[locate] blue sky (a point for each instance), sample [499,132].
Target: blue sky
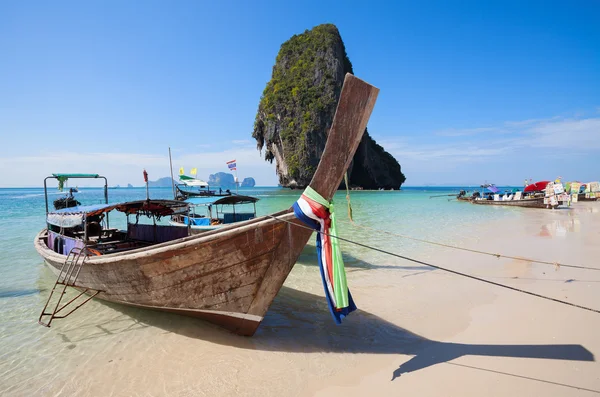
[470,91]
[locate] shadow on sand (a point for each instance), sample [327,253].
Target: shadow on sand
[308,257]
[299,322]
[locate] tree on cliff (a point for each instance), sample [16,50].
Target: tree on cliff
[297,108]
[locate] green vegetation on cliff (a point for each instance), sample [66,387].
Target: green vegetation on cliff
[298,104]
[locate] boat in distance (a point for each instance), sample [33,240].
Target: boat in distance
[227,276]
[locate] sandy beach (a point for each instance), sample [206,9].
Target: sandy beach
[418,331]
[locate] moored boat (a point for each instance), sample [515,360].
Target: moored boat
[209,213]
[193,187]
[228,276]
[532,196]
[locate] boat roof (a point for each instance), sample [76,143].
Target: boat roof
[222,200]
[73,216]
[236,199]
[89,210]
[61,176]
[153,207]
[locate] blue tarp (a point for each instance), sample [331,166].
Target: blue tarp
[196,221]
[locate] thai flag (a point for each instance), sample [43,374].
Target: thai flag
[231,164]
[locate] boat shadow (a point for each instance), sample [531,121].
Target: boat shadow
[308,257]
[300,322]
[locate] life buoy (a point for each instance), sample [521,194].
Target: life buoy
[93,251]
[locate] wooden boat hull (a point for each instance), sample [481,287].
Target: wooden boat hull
[196,227]
[220,277]
[582,197]
[537,202]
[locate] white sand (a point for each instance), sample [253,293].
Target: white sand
[435,333]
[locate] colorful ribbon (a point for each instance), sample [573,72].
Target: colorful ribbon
[314,211]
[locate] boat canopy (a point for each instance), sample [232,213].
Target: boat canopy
[236,199]
[156,208]
[536,187]
[219,200]
[189,181]
[67,176]
[74,216]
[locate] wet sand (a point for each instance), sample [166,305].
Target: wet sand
[418,331]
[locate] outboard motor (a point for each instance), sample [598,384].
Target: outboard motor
[66,202]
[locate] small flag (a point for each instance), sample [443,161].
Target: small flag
[194,171]
[145,176]
[181,172]
[232,165]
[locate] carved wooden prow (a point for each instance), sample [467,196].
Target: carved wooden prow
[351,116]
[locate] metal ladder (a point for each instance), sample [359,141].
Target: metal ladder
[67,278]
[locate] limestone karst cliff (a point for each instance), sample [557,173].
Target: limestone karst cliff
[296,112]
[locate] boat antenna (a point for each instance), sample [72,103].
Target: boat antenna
[172,180]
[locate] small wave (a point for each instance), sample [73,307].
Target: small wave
[35,195]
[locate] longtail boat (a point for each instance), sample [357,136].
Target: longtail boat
[529,202]
[531,197]
[209,213]
[228,276]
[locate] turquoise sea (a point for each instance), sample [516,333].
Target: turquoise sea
[25,282]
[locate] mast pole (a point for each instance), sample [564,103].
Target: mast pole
[172,180]
[236,180]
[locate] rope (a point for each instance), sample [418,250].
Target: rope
[443,268]
[556,264]
[348,198]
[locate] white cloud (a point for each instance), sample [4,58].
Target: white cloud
[244,142]
[123,168]
[535,145]
[580,134]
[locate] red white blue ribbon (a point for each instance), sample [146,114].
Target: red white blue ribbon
[314,211]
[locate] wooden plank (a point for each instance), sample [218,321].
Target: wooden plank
[351,116]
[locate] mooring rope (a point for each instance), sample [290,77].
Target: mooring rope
[520,258]
[443,268]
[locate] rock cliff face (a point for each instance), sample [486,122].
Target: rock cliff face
[221,179]
[161,182]
[248,182]
[296,112]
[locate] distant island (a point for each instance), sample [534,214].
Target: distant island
[220,179]
[226,180]
[167,181]
[248,182]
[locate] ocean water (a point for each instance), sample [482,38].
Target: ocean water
[29,351]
